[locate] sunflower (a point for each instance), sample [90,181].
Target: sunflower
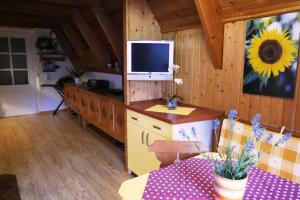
[272,52]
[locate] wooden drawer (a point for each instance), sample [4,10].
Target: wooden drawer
[136,118]
[162,128]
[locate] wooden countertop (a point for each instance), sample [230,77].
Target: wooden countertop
[200,114]
[102,92]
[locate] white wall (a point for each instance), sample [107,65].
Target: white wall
[48,98]
[115,81]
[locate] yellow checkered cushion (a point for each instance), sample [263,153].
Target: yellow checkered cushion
[283,161]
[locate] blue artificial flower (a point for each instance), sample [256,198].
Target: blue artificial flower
[286,137]
[256,119]
[216,124]
[283,139]
[259,133]
[256,123]
[249,146]
[183,134]
[255,127]
[194,132]
[232,114]
[269,138]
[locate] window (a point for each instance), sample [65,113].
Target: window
[13,61]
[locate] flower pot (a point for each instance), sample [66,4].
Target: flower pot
[228,188]
[77,81]
[172,104]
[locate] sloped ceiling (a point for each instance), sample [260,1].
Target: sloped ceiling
[213,14]
[88,40]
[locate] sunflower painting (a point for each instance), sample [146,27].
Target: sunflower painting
[271,55]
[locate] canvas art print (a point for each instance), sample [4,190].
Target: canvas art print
[271,55]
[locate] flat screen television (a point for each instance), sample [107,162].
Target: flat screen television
[150,60]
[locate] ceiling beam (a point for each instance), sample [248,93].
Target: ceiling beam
[174,15]
[210,14]
[34,8]
[67,46]
[13,19]
[255,9]
[22,24]
[111,32]
[94,43]
[72,2]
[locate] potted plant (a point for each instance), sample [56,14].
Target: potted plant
[76,73]
[172,99]
[231,172]
[46,44]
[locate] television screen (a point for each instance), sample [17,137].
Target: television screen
[150,57]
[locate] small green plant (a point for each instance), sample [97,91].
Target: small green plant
[76,72]
[236,168]
[46,43]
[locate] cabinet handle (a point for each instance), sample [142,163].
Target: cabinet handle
[134,118]
[143,137]
[156,127]
[147,139]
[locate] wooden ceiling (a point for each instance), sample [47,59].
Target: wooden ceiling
[174,15]
[213,14]
[89,30]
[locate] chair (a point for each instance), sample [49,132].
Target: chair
[169,152]
[59,87]
[282,161]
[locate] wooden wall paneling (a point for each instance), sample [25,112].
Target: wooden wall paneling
[216,101]
[290,106]
[183,60]
[297,103]
[166,85]
[203,67]
[191,69]
[265,109]
[141,25]
[227,70]
[210,14]
[203,82]
[243,100]
[209,78]
[276,112]
[196,70]
[237,72]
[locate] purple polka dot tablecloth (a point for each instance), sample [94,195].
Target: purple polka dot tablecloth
[192,179]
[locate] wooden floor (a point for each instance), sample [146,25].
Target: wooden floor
[54,158]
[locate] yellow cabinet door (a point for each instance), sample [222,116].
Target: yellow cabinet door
[137,149]
[153,163]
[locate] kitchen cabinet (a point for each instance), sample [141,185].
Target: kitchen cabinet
[137,149]
[102,111]
[118,115]
[143,130]
[82,103]
[106,119]
[93,109]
